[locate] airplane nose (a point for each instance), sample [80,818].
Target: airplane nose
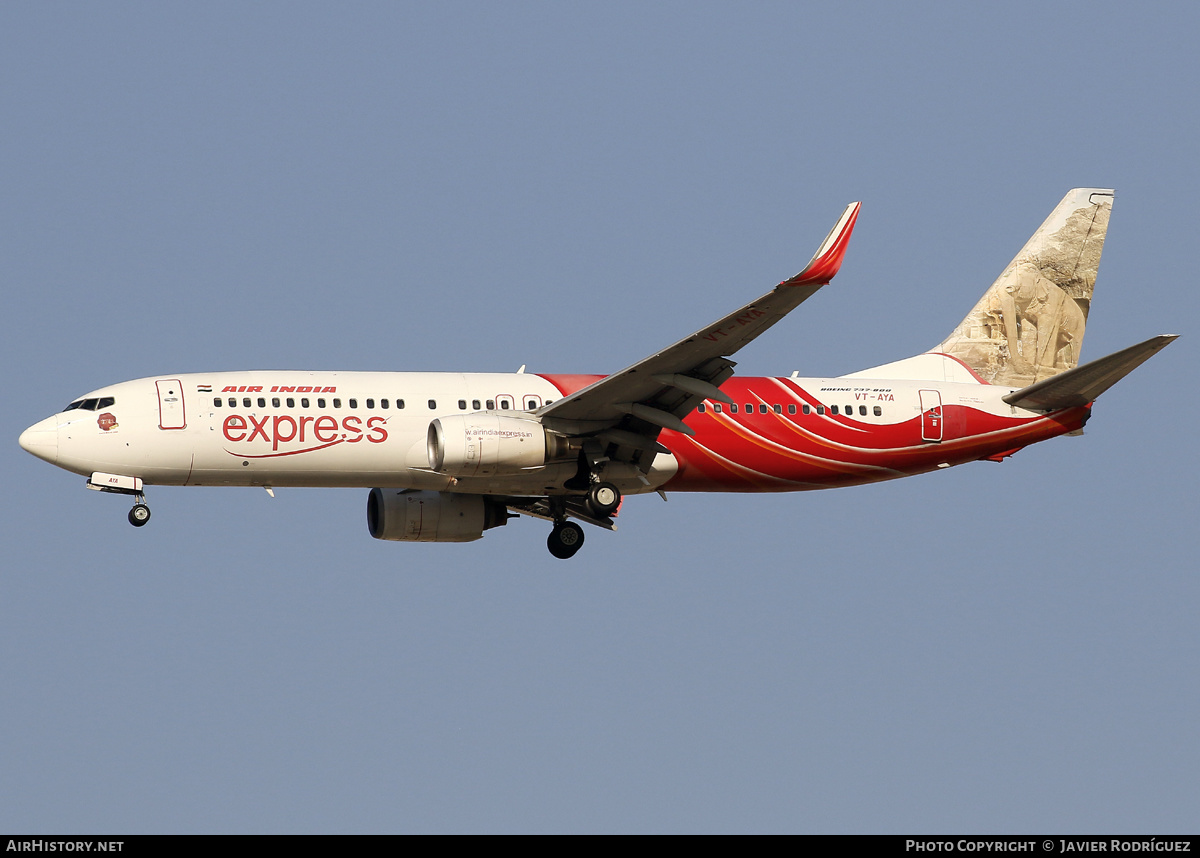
[41,439]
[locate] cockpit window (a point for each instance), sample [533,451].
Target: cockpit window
[94,404]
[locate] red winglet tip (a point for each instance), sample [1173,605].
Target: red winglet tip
[828,259]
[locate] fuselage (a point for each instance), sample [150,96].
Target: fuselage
[370,429]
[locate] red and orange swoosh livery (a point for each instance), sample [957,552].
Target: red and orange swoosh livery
[447,456]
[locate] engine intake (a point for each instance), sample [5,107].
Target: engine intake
[411,516]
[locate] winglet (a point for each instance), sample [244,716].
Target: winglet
[828,258]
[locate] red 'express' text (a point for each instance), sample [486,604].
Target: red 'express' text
[281,428]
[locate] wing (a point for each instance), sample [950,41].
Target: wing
[628,409]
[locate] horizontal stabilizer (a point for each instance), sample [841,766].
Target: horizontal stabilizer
[1083,384]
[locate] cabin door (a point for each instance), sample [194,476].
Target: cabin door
[931,416]
[170,404]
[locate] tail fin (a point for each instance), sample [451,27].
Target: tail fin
[1029,325]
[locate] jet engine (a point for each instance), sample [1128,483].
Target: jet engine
[485,445]
[414,516]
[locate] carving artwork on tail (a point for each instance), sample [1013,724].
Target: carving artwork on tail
[1029,325]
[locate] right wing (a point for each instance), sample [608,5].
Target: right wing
[629,408]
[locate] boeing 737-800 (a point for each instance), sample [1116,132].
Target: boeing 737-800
[447,456]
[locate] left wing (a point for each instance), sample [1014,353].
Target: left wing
[629,408]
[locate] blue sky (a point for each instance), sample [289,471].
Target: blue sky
[997,648]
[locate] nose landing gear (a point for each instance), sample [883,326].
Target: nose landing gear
[121,484]
[140,514]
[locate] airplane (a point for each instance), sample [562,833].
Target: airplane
[448,456]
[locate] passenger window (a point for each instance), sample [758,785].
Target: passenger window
[792,408]
[474,404]
[353,403]
[700,408]
[716,408]
[531,405]
[778,409]
[370,403]
[383,403]
[432,404]
[291,403]
[762,408]
[878,411]
[807,408]
[833,409]
[274,401]
[217,402]
[862,411]
[849,410]
[232,402]
[304,402]
[733,408]
[262,402]
[337,403]
[246,402]
[399,403]
[462,405]
[749,407]
[503,404]
[821,409]
[321,403]
[491,405]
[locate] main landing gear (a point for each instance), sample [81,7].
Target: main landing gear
[603,499]
[600,503]
[565,539]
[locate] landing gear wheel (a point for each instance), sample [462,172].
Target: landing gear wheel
[565,540]
[603,499]
[139,515]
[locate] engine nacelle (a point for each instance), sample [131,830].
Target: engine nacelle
[485,444]
[411,516]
